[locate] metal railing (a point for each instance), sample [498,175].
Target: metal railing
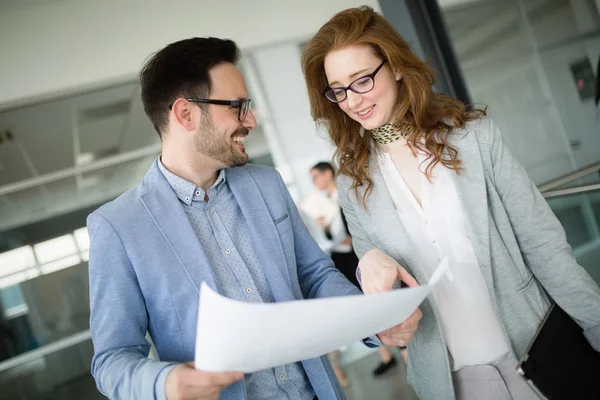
[551,189]
[572,190]
[43,351]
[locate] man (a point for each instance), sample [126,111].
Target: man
[198,215]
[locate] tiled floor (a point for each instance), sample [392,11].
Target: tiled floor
[358,363]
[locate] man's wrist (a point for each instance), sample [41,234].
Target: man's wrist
[160,383]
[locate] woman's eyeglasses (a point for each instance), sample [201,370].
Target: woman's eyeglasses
[362,85]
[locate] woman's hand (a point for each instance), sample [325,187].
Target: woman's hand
[378,273]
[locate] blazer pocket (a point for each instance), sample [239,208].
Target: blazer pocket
[281,219]
[533,293]
[283,224]
[525,285]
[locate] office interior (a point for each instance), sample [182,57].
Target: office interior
[73,135]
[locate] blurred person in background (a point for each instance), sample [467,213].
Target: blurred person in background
[336,230]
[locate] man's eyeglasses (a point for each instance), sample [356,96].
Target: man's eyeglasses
[362,85]
[243,106]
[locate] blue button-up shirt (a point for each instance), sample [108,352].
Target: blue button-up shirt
[223,234]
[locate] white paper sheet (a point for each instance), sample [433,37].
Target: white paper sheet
[248,337]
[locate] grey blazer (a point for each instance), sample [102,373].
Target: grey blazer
[519,243]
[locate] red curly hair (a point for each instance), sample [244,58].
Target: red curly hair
[428,117]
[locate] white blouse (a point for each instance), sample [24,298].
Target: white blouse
[437,230]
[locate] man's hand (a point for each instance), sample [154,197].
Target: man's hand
[184,382]
[378,273]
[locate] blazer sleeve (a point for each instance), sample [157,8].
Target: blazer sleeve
[345,222]
[360,238]
[542,240]
[119,321]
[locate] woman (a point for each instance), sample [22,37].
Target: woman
[422,179]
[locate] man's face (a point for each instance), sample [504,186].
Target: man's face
[220,135]
[321,179]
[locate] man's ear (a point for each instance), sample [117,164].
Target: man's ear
[182,112]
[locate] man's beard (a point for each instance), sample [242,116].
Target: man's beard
[208,142]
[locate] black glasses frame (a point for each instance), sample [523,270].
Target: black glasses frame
[241,105]
[349,87]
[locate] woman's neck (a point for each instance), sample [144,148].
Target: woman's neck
[388,133]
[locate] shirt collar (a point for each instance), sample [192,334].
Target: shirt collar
[185,190]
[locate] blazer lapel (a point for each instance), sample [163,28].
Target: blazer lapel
[262,230]
[472,193]
[170,219]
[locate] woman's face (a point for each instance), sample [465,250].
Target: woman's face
[374,108]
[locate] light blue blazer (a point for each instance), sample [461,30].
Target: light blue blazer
[146,266]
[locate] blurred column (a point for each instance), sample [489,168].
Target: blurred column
[421,24]
[275,81]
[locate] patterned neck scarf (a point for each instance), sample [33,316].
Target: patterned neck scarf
[387,133]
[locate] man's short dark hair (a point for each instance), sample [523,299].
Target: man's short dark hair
[181,70]
[324,166]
